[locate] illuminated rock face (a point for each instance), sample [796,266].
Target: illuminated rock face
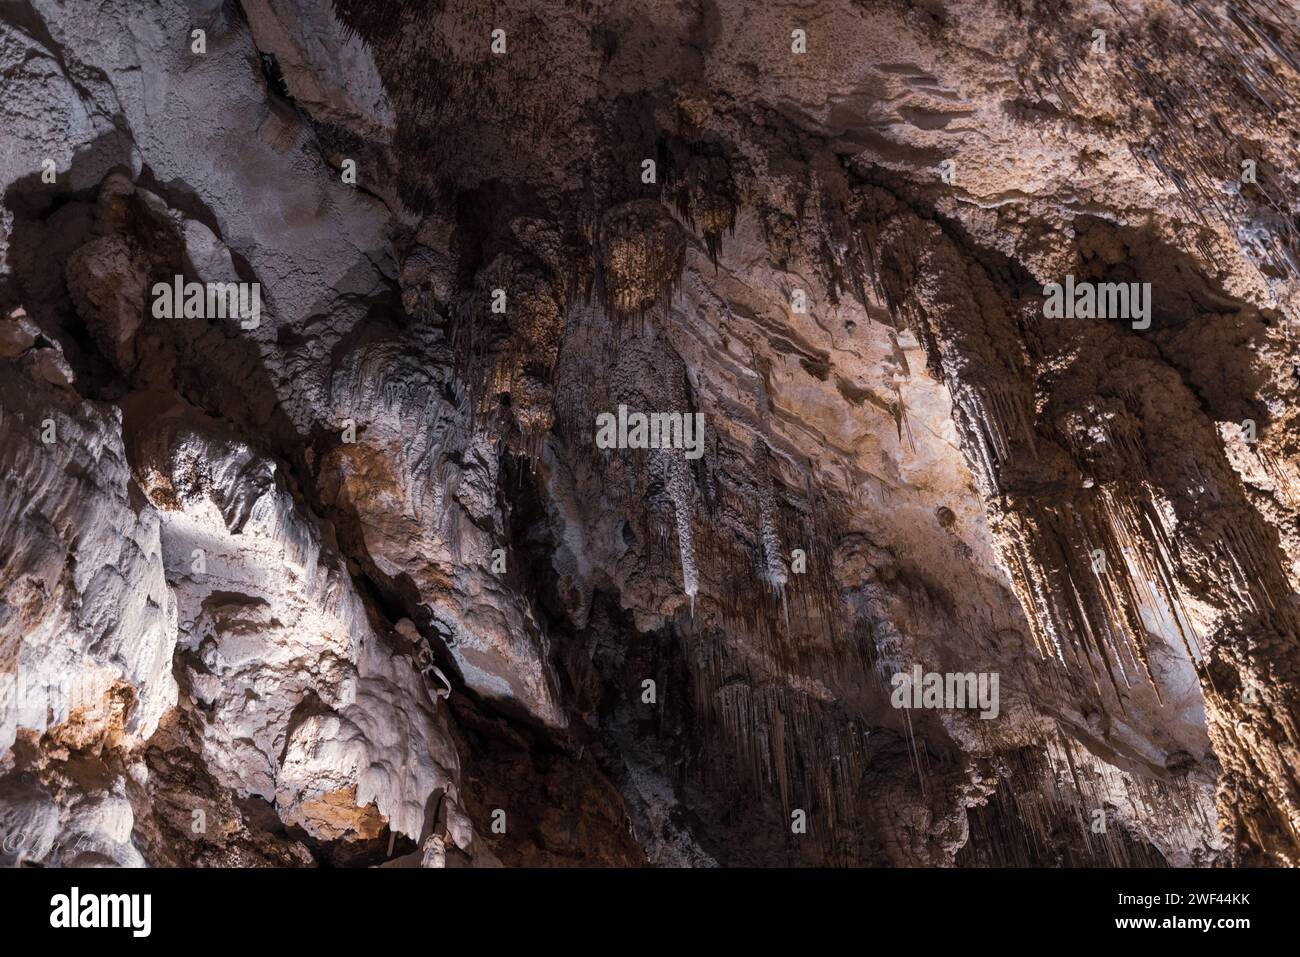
[351,580]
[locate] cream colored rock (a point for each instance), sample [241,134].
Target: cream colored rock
[302,701]
[85,608]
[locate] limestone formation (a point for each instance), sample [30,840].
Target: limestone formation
[989,312]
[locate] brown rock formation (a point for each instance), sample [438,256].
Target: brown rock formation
[642,404]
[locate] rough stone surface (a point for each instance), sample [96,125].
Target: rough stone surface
[345,585]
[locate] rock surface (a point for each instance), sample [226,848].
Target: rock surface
[352,578]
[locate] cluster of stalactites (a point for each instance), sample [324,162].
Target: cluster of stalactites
[1099,576]
[1052,803]
[787,749]
[640,254]
[1192,143]
[507,337]
[705,195]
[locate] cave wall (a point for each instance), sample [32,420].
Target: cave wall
[352,582]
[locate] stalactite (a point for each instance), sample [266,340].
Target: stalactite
[703,189]
[1046,803]
[678,491]
[754,719]
[774,568]
[1190,144]
[640,254]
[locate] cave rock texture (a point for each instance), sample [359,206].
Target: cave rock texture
[333,530]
